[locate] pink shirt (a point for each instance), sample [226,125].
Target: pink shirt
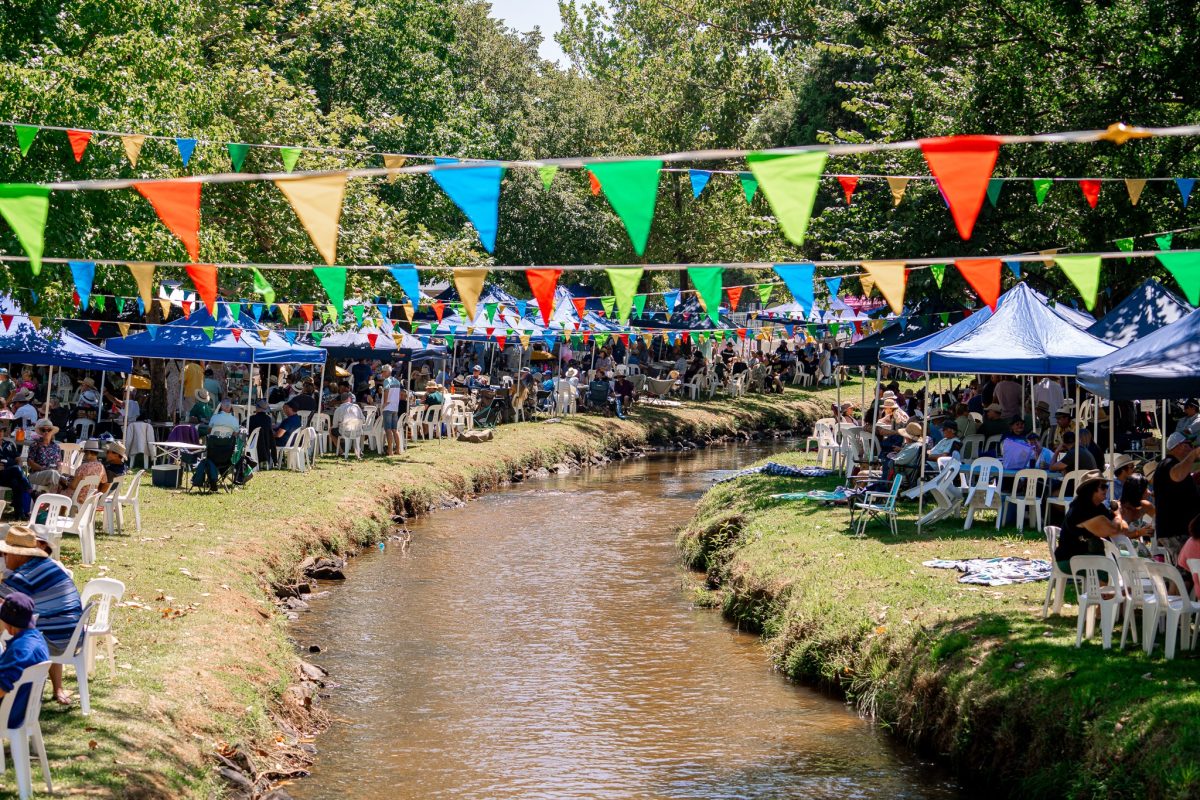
[86,470]
[1191,549]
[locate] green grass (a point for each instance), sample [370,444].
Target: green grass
[203,656]
[973,675]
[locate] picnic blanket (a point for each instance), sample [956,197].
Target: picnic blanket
[780,471]
[838,495]
[996,571]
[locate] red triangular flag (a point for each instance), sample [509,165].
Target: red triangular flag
[187,308]
[963,166]
[586,335]
[741,333]
[500,340]
[306,309]
[624,337]
[1091,191]
[576,324]
[372,338]
[204,278]
[488,332]
[94,324]
[237,334]
[580,305]
[849,184]
[178,206]
[7,319]
[735,294]
[984,276]
[967,312]
[439,308]
[542,282]
[79,142]
[75,298]
[858,327]
[594,182]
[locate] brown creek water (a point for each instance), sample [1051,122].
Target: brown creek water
[542,643]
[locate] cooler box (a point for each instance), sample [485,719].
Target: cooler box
[165,476]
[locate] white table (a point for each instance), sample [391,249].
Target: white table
[173,452]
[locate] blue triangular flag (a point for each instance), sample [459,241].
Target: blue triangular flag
[1185,188]
[833,285]
[799,280]
[549,339]
[152,330]
[424,340]
[186,148]
[84,273]
[671,298]
[903,322]
[141,306]
[33,296]
[1014,267]
[791,329]
[406,275]
[475,190]
[699,179]
[521,306]
[672,336]
[290,336]
[257,309]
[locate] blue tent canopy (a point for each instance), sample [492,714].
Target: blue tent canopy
[22,343]
[357,344]
[186,339]
[1162,365]
[1146,309]
[911,355]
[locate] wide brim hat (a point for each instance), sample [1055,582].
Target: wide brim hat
[572,372]
[21,541]
[45,423]
[23,396]
[1149,468]
[1092,476]
[888,395]
[88,382]
[994,407]
[890,403]
[341,372]
[1122,461]
[912,430]
[91,446]
[432,386]
[118,448]
[1042,405]
[202,396]
[1067,408]
[1191,401]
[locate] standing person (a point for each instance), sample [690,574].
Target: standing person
[1189,425]
[7,385]
[393,398]
[212,385]
[1049,391]
[1008,394]
[174,391]
[1176,496]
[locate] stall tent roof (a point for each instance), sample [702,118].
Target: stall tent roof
[1146,309]
[357,344]
[911,355]
[22,343]
[185,338]
[1162,365]
[865,352]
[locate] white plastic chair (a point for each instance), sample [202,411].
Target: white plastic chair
[879,504]
[106,592]
[251,451]
[350,437]
[827,444]
[29,733]
[373,435]
[1172,604]
[88,485]
[83,525]
[994,441]
[431,422]
[943,487]
[293,454]
[369,414]
[412,422]
[75,655]
[971,445]
[108,502]
[130,497]
[1057,587]
[1066,491]
[1138,593]
[322,425]
[983,480]
[58,516]
[82,429]
[1033,482]
[1096,596]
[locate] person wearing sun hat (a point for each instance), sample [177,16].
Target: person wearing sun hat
[91,467]
[26,648]
[45,457]
[1088,521]
[1176,496]
[201,410]
[51,588]
[23,409]
[1189,424]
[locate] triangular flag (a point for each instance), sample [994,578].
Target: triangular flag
[177,204]
[543,284]
[1041,187]
[25,207]
[476,191]
[501,340]
[317,201]
[699,179]
[235,310]
[256,309]
[995,185]
[359,311]
[123,327]
[237,334]
[593,183]
[469,283]
[120,304]
[439,309]
[741,332]
[963,166]
[790,183]
[1185,188]
[625,283]
[133,147]
[983,274]
[764,292]
[799,280]
[939,273]
[1125,244]
[735,294]
[186,147]
[707,281]
[632,190]
[391,161]
[1014,267]
[333,280]
[98,303]
[547,174]
[153,331]
[25,136]
[410,282]
[608,304]
[749,185]
[489,311]
[262,287]
[449,337]
[204,278]
[671,297]
[84,274]
[945,317]
[209,331]
[1164,242]
[1084,272]
[372,338]
[186,305]
[285,311]
[898,186]
[868,284]
[1184,266]
[317,336]
[833,286]
[290,336]
[237,154]
[289,155]
[639,302]
[1091,190]
[264,335]
[580,304]
[143,275]
[164,306]
[306,311]
[407,310]
[1135,186]
[79,142]
[849,184]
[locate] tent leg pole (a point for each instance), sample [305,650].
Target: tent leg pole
[1111,448]
[320,397]
[1162,422]
[921,458]
[100,405]
[125,410]
[1078,413]
[49,391]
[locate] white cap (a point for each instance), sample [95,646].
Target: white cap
[1174,440]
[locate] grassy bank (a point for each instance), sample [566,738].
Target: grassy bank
[203,661]
[970,674]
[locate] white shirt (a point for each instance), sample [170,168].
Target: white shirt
[391,394]
[1049,392]
[27,414]
[347,411]
[224,420]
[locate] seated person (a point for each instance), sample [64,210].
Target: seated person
[1123,467]
[598,392]
[202,410]
[476,382]
[11,474]
[948,445]
[45,457]
[1043,457]
[1088,521]
[905,455]
[433,394]
[625,394]
[1015,450]
[1136,509]
[91,467]
[223,422]
[26,648]
[1065,456]
[993,422]
[114,460]
[288,425]
[261,420]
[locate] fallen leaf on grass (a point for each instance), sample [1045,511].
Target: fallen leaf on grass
[93,744]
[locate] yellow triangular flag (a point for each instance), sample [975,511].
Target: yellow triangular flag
[133,147]
[36,321]
[1049,262]
[890,278]
[123,327]
[648,338]
[469,283]
[165,305]
[868,283]
[393,162]
[898,186]
[143,273]
[1135,186]
[407,309]
[524,340]
[263,335]
[470,330]
[285,311]
[317,202]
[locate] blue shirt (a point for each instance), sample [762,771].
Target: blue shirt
[54,596]
[289,425]
[25,649]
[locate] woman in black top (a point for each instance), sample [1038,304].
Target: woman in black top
[1088,521]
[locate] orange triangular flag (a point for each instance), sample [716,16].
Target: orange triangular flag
[543,282]
[237,334]
[984,276]
[79,142]
[580,304]
[306,311]
[187,308]
[868,283]
[178,206]
[317,202]
[133,147]
[594,182]
[35,321]
[849,184]
[890,277]
[204,278]
[735,294]
[393,162]
[963,166]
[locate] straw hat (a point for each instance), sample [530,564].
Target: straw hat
[21,541]
[118,448]
[1093,476]
[432,386]
[1067,408]
[1122,461]
[994,407]
[912,431]
[43,424]
[91,446]
[572,372]
[88,382]
[202,396]
[1149,468]
[890,403]
[888,395]
[341,372]
[23,396]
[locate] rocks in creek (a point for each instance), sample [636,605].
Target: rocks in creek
[240,787]
[286,590]
[314,648]
[325,569]
[295,604]
[540,472]
[311,671]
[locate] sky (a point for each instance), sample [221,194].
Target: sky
[524,15]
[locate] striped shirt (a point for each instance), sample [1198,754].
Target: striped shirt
[55,598]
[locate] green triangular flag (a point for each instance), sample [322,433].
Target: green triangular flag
[24,207]
[449,337]
[707,281]
[358,313]
[1184,266]
[317,336]
[764,292]
[812,330]
[945,315]
[1164,242]
[576,341]
[262,287]
[25,137]
[209,331]
[490,309]
[639,304]
[459,309]
[290,156]
[749,186]
[547,173]
[624,283]
[98,301]
[608,304]
[1041,187]
[1084,272]
[433,326]
[833,328]
[993,191]
[235,311]
[939,273]
[120,305]
[331,314]
[1125,244]
[601,338]
[790,183]
[237,154]
[334,281]
[632,189]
